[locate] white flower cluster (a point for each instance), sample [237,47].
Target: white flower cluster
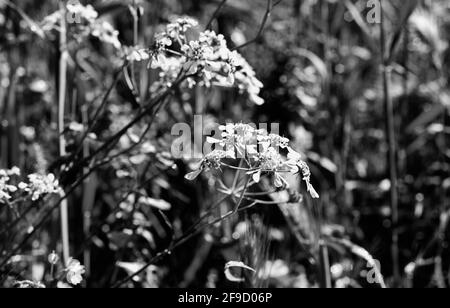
[38,186]
[77,10]
[7,189]
[261,151]
[206,61]
[84,21]
[75,272]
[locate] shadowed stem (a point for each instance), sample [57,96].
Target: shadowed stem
[392,159]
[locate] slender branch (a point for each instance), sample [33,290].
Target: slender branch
[261,27]
[14,223]
[98,111]
[153,107]
[183,239]
[207,214]
[34,27]
[216,13]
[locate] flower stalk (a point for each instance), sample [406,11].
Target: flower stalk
[392,159]
[61,111]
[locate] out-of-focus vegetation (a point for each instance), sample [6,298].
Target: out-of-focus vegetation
[365,104]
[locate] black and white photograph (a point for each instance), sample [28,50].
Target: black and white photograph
[224,149]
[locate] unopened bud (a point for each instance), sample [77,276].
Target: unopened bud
[53,258]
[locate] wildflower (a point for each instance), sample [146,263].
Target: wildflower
[41,185]
[84,21]
[216,41]
[206,61]
[213,159]
[6,189]
[261,151]
[246,80]
[297,164]
[4,193]
[198,56]
[74,272]
[86,12]
[106,33]
[307,178]
[136,54]
[178,28]
[14,171]
[170,68]
[163,40]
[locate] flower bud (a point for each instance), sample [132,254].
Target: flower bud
[53,258]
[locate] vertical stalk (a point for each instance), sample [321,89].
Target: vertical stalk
[324,258]
[87,204]
[12,148]
[135,13]
[135,23]
[392,159]
[61,112]
[144,40]
[324,263]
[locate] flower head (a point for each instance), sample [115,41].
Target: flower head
[106,33]
[261,151]
[206,61]
[178,28]
[40,185]
[74,271]
[6,188]
[83,21]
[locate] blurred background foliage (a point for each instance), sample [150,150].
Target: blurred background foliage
[320,62]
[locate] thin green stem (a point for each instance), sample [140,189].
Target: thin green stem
[392,159]
[61,112]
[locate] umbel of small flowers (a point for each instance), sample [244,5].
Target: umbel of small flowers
[207,61]
[261,152]
[83,21]
[38,185]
